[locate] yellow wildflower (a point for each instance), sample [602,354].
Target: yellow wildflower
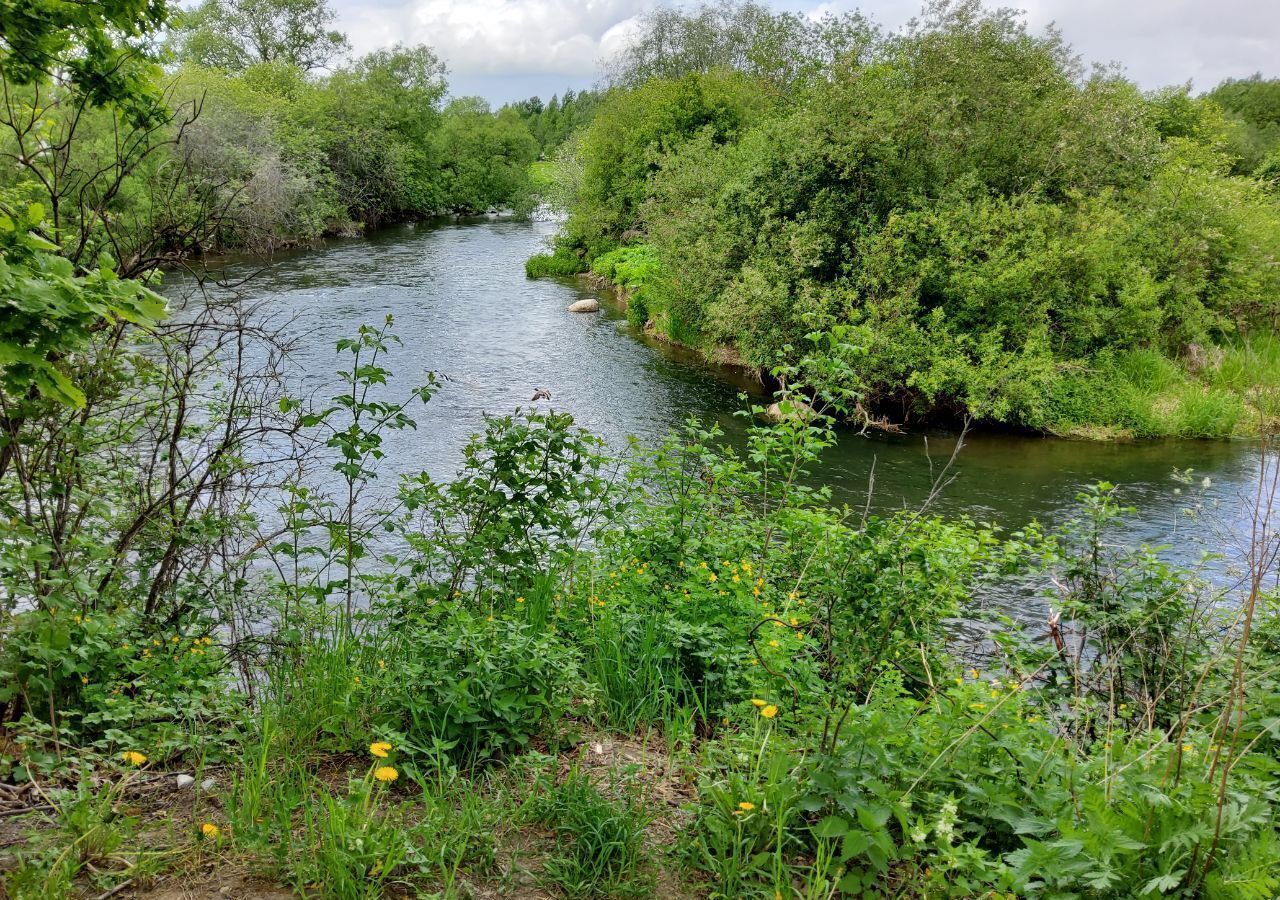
[386,773]
[757,702]
[746,806]
[380,749]
[382,664]
[769,711]
[519,599]
[713,577]
[133,757]
[773,643]
[211,831]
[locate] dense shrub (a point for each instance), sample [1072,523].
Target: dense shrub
[996,224]
[475,688]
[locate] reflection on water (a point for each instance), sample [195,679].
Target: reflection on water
[465,310]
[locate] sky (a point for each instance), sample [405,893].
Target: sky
[510,49]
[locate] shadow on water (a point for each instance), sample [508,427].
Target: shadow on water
[465,310]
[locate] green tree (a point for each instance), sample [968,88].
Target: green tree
[235,34]
[484,157]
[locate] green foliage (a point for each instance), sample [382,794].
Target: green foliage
[780,50]
[552,123]
[630,268]
[49,311]
[233,35]
[562,263]
[475,688]
[1252,106]
[1000,228]
[485,158]
[601,840]
[100,47]
[106,683]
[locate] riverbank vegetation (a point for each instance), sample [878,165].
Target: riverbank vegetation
[259,131]
[991,230]
[681,671]
[233,660]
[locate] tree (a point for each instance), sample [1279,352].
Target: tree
[778,48]
[236,34]
[485,158]
[99,48]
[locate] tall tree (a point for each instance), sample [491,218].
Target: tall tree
[236,34]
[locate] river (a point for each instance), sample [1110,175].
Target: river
[465,310]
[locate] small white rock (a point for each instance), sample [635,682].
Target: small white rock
[185,781]
[208,784]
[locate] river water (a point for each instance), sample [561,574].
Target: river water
[465,310]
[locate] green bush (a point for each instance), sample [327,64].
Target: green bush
[562,263]
[108,683]
[474,687]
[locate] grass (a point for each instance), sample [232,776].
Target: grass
[558,264]
[600,840]
[1143,393]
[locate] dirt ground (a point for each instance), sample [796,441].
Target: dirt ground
[165,810]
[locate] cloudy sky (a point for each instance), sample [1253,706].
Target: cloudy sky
[510,49]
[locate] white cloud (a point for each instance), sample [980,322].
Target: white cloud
[488,37]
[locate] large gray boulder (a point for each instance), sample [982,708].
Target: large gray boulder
[585,306]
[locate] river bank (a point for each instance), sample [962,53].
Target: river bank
[1216,391]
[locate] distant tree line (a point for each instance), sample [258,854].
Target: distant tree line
[257,131]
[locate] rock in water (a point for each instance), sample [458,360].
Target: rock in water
[588,305]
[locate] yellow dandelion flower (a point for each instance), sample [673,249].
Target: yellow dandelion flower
[769,711]
[380,749]
[84,679]
[757,702]
[746,806]
[386,773]
[519,599]
[211,831]
[133,757]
